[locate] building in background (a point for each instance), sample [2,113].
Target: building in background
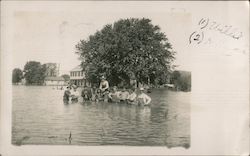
[54,81]
[52,77]
[77,76]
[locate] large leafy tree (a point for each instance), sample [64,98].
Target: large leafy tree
[17,75]
[34,73]
[128,49]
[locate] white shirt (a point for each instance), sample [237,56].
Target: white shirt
[132,96]
[114,94]
[146,99]
[75,93]
[124,95]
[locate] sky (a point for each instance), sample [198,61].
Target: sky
[48,32]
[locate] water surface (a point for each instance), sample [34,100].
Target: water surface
[40,117]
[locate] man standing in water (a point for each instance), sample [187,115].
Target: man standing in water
[132,96]
[86,94]
[124,95]
[66,95]
[143,99]
[114,95]
[104,86]
[74,95]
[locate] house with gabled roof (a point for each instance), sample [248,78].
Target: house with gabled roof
[77,76]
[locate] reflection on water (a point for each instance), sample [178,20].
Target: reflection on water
[40,117]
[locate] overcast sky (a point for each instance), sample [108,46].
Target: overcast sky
[48,32]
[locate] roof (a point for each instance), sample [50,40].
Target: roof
[54,79]
[77,68]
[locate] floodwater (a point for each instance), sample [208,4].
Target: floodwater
[40,117]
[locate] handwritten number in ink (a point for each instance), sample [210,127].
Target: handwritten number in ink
[203,23]
[196,37]
[228,30]
[199,36]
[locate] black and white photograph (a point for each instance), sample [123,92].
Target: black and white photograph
[116,80]
[123,74]
[100,77]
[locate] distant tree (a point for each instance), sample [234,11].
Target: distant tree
[128,49]
[181,80]
[17,75]
[66,77]
[185,84]
[34,73]
[175,77]
[51,69]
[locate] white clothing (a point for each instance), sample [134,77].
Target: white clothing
[114,94]
[124,95]
[74,93]
[132,96]
[145,98]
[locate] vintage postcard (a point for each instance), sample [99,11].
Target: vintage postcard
[124,78]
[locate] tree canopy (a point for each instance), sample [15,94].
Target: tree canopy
[17,75]
[34,73]
[128,49]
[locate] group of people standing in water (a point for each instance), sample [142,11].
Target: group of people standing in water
[107,94]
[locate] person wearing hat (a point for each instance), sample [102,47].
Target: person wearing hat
[86,93]
[132,97]
[123,95]
[114,95]
[74,95]
[143,99]
[66,95]
[104,85]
